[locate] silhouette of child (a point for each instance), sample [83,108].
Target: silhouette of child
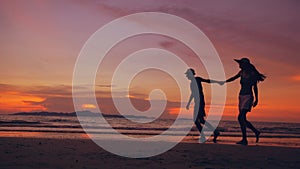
[199,108]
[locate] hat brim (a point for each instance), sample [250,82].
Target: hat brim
[237,60]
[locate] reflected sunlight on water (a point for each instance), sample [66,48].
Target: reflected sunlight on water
[68,127]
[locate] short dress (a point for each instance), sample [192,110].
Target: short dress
[245,102]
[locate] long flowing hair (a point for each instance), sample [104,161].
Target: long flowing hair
[258,77]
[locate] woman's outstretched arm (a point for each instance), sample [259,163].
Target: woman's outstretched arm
[234,77]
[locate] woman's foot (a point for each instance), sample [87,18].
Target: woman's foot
[257,136]
[216,134]
[242,142]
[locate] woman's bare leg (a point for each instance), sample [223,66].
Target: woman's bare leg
[242,121]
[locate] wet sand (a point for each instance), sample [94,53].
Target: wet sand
[45,153]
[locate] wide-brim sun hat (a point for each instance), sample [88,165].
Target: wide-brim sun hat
[243,60]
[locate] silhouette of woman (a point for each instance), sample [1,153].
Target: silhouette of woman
[250,76]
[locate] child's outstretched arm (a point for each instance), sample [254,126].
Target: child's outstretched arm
[212,81]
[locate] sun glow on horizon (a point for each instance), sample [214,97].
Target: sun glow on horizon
[12,102]
[296,78]
[88,106]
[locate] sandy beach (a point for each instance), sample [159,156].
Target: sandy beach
[84,153]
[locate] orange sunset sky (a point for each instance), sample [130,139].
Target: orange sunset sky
[40,42]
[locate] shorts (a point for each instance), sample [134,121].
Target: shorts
[245,102]
[200,106]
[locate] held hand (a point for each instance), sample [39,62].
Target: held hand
[255,103]
[221,82]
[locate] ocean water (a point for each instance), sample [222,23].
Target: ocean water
[68,127]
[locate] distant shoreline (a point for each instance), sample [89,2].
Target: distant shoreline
[81,113]
[93,114]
